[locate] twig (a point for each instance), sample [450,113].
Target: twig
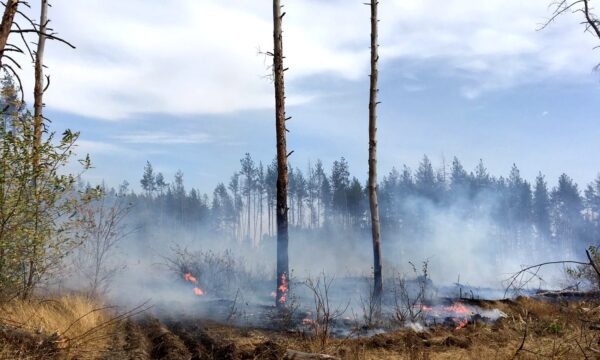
[522,346]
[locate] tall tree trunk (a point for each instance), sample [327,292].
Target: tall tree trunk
[249,208]
[375,225]
[38,91]
[282,163]
[7,20]
[38,119]
[260,217]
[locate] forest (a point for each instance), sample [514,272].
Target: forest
[286,258]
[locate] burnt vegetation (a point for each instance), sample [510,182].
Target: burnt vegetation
[194,274]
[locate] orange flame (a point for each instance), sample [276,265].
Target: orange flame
[189,278]
[458,308]
[283,288]
[198,291]
[308,321]
[460,323]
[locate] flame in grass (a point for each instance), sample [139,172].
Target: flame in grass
[191,279]
[458,308]
[283,288]
[460,323]
[198,291]
[458,312]
[308,322]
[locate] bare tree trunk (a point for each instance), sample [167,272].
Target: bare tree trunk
[282,163]
[248,216]
[38,91]
[38,94]
[7,20]
[375,225]
[261,220]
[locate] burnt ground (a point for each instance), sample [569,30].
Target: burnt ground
[532,329]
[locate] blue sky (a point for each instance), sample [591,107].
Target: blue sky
[183,85]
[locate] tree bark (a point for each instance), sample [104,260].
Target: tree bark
[38,92]
[7,20]
[375,225]
[282,163]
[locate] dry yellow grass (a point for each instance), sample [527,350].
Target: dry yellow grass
[72,326]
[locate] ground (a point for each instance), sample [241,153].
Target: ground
[533,329]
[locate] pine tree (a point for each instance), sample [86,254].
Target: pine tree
[541,208]
[148,181]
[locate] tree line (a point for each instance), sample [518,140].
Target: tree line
[526,216]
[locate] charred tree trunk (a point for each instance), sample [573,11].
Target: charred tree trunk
[375,225]
[7,20]
[282,163]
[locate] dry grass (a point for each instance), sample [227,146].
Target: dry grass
[554,331]
[567,330]
[67,327]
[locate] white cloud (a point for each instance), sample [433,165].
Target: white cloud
[98,147]
[190,57]
[164,138]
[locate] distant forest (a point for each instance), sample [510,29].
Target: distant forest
[520,217]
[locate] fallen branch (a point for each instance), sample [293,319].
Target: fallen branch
[522,346]
[512,280]
[298,355]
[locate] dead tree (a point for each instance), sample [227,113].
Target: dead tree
[38,92]
[591,22]
[282,155]
[375,224]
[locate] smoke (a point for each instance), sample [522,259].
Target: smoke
[469,242]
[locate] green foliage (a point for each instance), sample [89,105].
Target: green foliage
[585,273]
[554,328]
[38,200]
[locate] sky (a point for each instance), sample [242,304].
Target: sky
[185,85]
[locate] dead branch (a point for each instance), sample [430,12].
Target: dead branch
[298,355]
[512,280]
[522,346]
[49,36]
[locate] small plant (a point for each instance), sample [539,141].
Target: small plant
[371,308]
[409,307]
[324,314]
[554,328]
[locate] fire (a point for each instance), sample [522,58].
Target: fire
[190,278]
[308,322]
[283,288]
[426,308]
[460,323]
[198,291]
[458,312]
[463,312]
[458,308]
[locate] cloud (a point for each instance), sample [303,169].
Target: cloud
[165,138]
[98,147]
[201,57]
